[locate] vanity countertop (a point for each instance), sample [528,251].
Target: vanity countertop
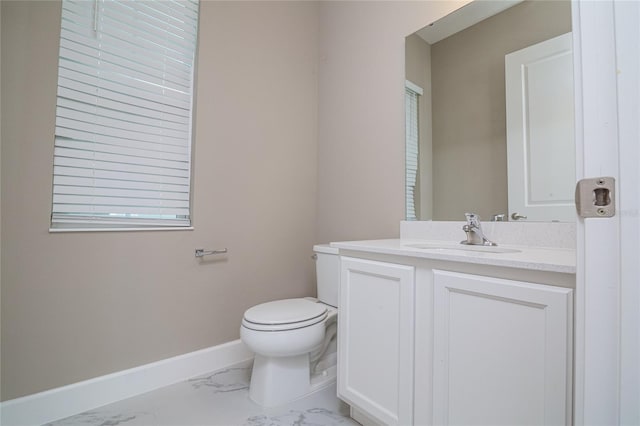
[561,260]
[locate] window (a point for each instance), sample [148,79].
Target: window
[124,114]
[411,149]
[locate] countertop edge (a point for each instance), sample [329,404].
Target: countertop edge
[395,247]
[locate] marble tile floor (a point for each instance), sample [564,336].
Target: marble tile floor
[216,399]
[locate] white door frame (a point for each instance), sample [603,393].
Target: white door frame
[627,24]
[604,321]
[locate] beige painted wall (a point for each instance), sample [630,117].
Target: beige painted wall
[299,139]
[361,114]
[0,199]
[469,125]
[80,305]
[417,61]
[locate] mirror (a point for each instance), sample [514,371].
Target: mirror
[461,120]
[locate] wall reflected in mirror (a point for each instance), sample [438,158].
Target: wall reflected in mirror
[460,121]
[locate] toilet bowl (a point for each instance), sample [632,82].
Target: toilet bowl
[290,337]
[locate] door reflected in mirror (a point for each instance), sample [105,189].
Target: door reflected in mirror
[459,162]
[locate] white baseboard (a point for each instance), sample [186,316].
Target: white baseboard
[55,404]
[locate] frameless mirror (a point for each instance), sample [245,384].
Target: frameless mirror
[479,138]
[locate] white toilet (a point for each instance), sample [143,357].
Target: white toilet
[291,338]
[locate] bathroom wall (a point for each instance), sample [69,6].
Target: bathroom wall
[80,305]
[299,139]
[361,114]
[0,196]
[469,116]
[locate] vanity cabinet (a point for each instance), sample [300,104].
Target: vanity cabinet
[375,339]
[502,351]
[445,343]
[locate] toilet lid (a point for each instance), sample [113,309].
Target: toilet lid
[287,311]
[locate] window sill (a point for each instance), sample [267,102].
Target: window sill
[166,228]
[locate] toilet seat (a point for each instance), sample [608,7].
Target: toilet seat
[282,315]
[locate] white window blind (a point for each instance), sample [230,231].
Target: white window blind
[411,149]
[124,114]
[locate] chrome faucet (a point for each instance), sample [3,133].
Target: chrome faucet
[475,236]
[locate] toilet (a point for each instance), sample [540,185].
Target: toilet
[294,339]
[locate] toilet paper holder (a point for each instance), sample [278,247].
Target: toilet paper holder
[204,252]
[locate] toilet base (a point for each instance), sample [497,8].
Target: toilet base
[278,380]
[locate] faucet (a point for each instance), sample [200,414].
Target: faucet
[500,217]
[475,236]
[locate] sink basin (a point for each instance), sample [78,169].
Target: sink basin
[462,247]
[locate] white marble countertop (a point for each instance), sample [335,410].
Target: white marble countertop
[561,260]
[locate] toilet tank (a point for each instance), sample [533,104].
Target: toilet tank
[327,273]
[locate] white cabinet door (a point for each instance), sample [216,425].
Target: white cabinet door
[375,339]
[502,351]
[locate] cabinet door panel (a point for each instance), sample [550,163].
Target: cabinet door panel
[502,351]
[375,342]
